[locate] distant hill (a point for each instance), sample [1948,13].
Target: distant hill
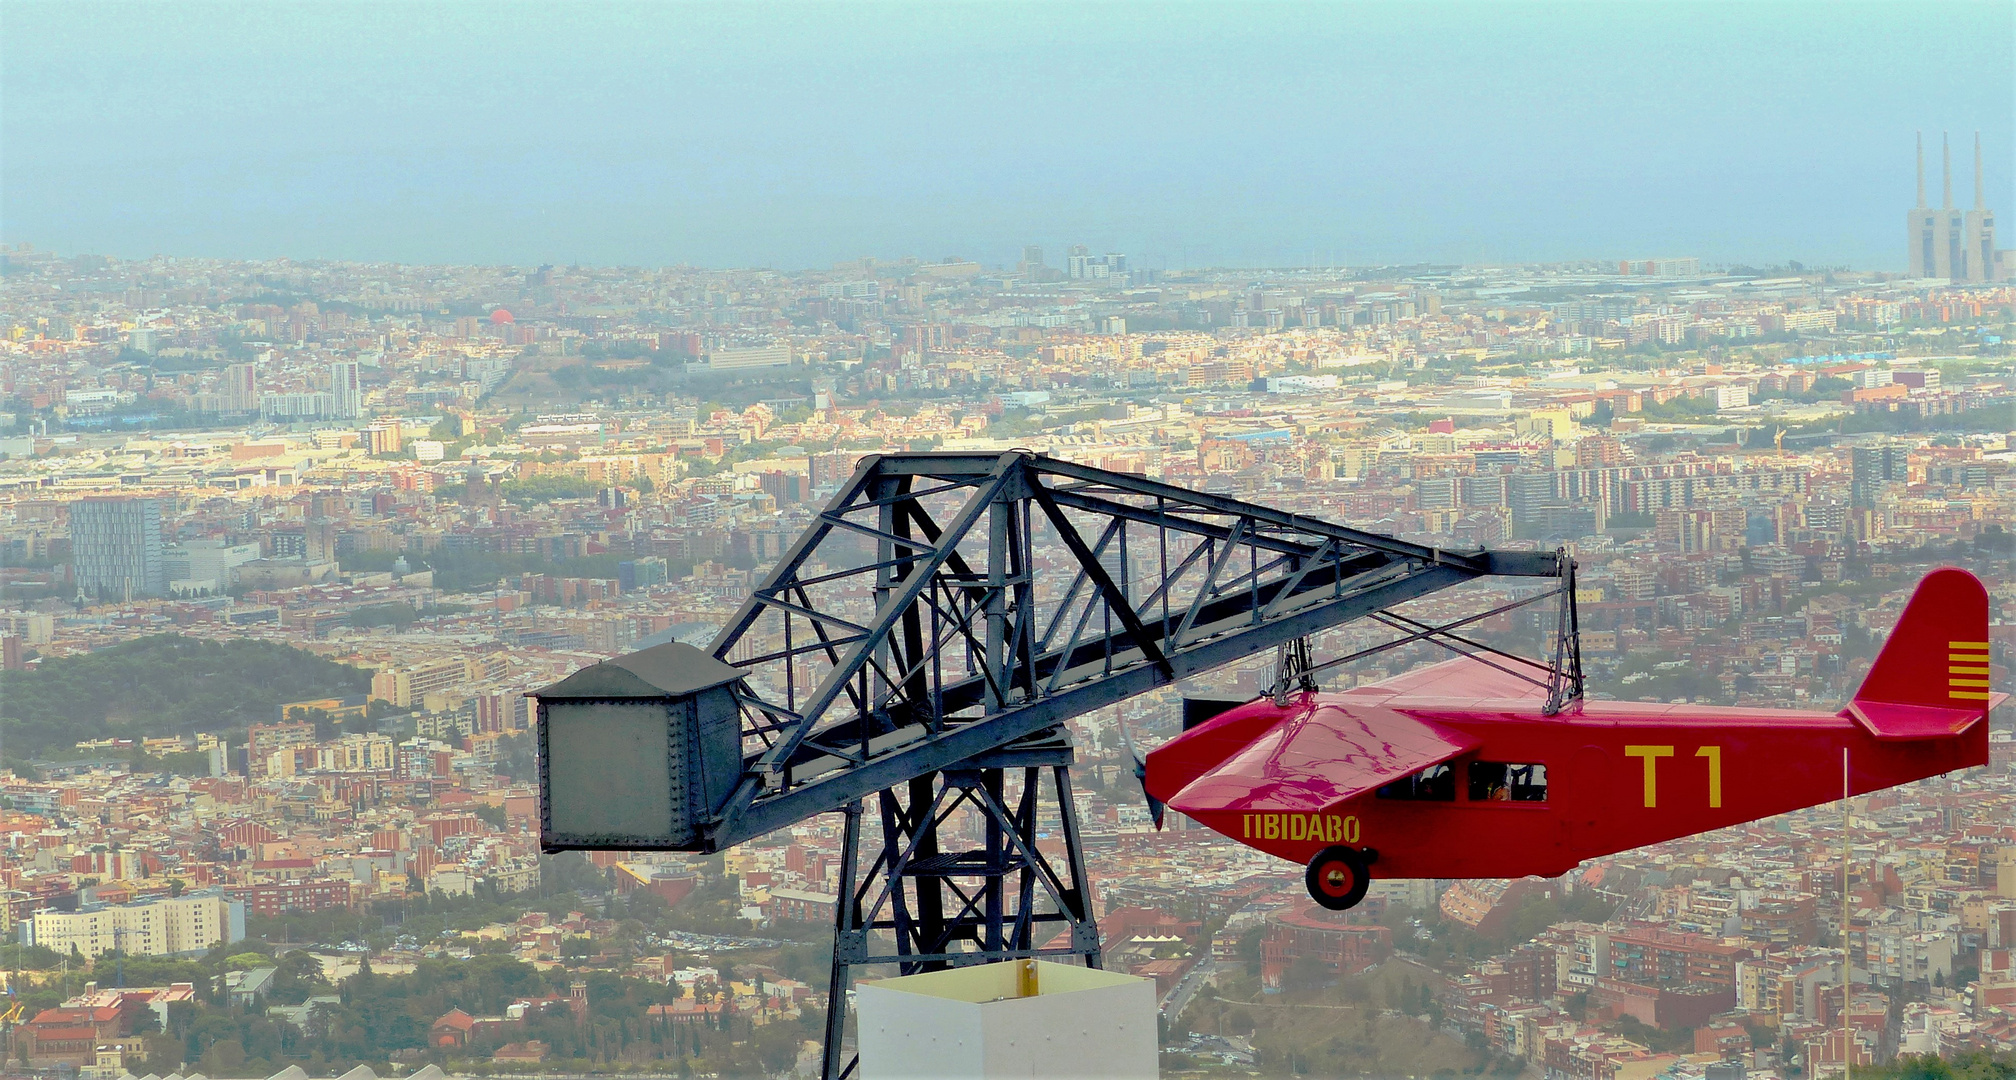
[163,685]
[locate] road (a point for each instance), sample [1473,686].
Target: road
[1179,998]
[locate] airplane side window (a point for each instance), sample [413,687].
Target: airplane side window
[1500,781]
[1436,783]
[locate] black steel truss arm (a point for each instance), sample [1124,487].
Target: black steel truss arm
[943,605]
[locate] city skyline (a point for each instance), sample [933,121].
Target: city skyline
[414,414]
[291,551]
[792,137]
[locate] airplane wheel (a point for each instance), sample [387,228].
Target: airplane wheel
[1337,878]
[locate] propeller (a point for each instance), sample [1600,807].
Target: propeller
[1155,807]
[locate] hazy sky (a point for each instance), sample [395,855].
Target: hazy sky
[1198,134]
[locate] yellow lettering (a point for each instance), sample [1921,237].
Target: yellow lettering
[1333,829]
[1270,826]
[1351,829]
[1298,828]
[1246,822]
[1651,754]
[1714,756]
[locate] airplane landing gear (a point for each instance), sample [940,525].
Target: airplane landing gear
[1338,876]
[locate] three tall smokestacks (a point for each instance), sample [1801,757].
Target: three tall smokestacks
[1946,242]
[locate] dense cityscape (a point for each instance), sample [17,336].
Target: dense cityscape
[285,546]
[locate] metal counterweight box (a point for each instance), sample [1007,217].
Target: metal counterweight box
[638,752]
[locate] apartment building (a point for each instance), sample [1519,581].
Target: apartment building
[166,927]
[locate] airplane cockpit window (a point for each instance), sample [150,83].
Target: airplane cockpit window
[1499,781]
[1436,783]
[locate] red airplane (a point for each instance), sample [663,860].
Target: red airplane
[1454,771]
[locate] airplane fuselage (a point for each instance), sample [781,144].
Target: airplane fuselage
[1613,776]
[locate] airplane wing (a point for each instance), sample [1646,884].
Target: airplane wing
[1325,752]
[1465,677]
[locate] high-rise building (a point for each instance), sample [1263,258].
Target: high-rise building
[1870,467]
[1529,494]
[640,573]
[116,544]
[1482,491]
[1879,463]
[319,539]
[1435,493]
[240,390]
[1081,265]
[1078,262]
[1944,242]
[382,437]
[347,389]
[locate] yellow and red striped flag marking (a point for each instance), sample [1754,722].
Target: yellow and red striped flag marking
[1967,670]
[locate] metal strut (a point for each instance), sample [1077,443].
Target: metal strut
[1563,673]
[1293,670]
[921,908]
[1564,683]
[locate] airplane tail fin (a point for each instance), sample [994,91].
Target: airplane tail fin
[1937,657]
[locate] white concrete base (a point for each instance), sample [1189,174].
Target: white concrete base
[1021,1019]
